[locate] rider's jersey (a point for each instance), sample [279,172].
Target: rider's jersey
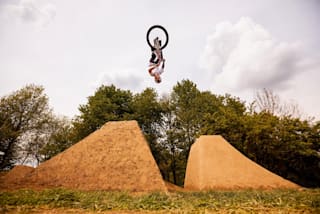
[158,69]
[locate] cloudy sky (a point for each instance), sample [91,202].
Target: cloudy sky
[233,46]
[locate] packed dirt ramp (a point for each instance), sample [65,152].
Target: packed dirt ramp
[214,164]
[115,157]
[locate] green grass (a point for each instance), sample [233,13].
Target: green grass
[252,201]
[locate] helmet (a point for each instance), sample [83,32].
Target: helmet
[157,79]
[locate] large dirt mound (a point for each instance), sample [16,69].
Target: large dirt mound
[214,164]
[115,157]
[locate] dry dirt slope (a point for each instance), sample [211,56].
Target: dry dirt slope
[214,164]
[115,157]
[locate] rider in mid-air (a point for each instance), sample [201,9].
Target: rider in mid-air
[156,62]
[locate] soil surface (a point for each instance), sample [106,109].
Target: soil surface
[214,164]
[115,157]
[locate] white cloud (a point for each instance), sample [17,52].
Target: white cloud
[246,56]
[36,12]
[121,78]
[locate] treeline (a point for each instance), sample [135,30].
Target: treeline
[267,131]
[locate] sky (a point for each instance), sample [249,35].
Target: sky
[233,46]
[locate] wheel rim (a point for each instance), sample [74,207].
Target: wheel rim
[165,32]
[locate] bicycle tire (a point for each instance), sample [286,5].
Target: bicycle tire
[164,30]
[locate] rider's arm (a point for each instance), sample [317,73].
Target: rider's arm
[154,58]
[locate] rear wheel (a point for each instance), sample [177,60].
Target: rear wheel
[160,30]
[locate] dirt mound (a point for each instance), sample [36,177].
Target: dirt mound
[18,173]
[15,177]
[115,157]
[3,173]
[214,164]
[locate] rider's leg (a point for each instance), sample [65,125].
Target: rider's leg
[159,55]
[156,42]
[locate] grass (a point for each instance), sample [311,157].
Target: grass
[245,201]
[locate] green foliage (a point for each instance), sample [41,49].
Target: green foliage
[59,139]
[107,104]
[23,114]
[147,111]
[169,157]
[180,125]
[227,117]
[286,146]
[186,110]
[287,201]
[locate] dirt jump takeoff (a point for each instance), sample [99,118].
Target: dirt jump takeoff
[157,62]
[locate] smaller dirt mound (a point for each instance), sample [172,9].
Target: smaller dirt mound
[16,176]
[3,173]
[214,164]
[18,173]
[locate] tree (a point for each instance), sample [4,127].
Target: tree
[186,110]
[287,146]
[58,138]
[147,111]
[107,104]
[180,125]
[23,112]
[266,100]
[171,159]
[225,116]
[297,152]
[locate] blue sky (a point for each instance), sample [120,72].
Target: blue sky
[232,46]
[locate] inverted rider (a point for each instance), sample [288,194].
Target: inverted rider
[156,62]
